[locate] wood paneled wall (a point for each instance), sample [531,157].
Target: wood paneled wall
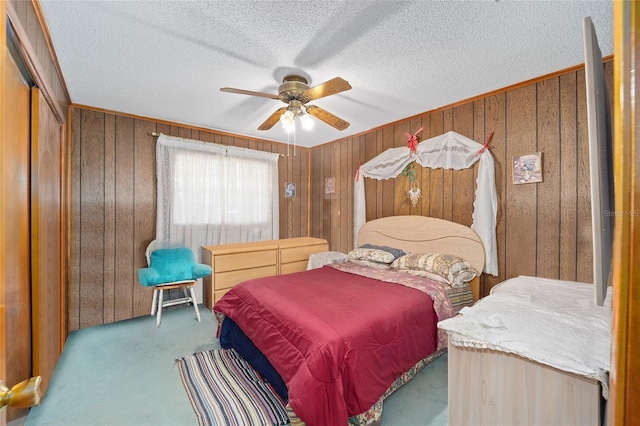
[114,208]
[543,229]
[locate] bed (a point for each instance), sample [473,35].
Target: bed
[336,340]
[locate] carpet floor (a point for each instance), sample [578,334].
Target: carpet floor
[125,373]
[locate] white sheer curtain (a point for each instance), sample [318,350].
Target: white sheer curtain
[450,150]
[209,194]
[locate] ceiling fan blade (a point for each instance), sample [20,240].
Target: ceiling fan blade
[248,92]
[273,119]
[327,117]
[331,87]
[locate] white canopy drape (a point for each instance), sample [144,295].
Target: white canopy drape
[450,150]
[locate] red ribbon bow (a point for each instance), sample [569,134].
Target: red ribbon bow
[412,141]
[486,145]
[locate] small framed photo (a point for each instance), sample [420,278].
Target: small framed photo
[289,190]
[330,185]
[527,168]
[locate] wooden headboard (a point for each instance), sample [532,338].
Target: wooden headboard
[421,234]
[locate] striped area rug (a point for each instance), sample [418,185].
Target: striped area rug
[225,390]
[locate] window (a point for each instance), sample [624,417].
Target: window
[217,190]
[211,194]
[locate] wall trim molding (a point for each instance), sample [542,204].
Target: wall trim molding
[52,51]
[28,54]
[178,124]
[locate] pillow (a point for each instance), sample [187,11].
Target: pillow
[394,251]
[453,268]
[369,263]
[426,274]
[380,254]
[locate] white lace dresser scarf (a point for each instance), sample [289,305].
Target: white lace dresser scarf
[450,150]
[552,322]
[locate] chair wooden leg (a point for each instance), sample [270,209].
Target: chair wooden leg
[195,302]
[155,301]
[159,307]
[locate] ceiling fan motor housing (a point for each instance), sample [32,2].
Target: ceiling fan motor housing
[293,88]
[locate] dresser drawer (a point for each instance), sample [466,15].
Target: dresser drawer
[217,295]
[289,268]
[222,280]
[295,254]
[246,260]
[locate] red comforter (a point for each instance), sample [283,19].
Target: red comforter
[338,340]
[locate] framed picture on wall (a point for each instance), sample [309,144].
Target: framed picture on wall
[289,190]
[527,168]
[330,185]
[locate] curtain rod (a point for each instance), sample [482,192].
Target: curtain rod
[155,135]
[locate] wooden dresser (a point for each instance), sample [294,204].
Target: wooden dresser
[535,351]
[234,263]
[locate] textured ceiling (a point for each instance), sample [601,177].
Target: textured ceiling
[168,59]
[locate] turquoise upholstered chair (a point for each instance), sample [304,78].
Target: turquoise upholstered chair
[170,268]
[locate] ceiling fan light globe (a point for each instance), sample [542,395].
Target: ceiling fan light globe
[287,117]
[306,121]
[289,126]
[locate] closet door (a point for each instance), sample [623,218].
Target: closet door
[623,404]
[3,110]
[47,295]
[14,227]
[32,225]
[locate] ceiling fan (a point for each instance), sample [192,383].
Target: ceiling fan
[295,92]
